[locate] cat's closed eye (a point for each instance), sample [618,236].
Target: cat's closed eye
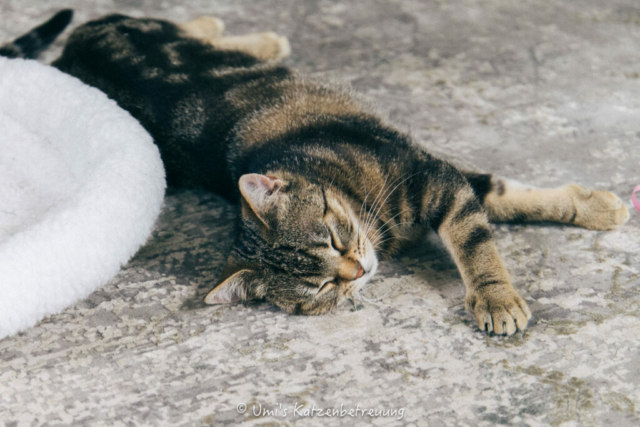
[326,287]
[335,242]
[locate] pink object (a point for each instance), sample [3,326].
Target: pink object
[634,200]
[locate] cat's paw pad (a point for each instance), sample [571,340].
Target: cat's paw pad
[501,311]
[204,27]
[597,210]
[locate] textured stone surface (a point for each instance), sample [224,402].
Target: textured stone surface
[543,91]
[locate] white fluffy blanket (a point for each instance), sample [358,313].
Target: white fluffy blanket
[81,185]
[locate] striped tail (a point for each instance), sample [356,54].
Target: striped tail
[39,38]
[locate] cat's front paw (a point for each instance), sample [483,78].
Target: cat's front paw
[597,210]
[498,309]
[204,27]
[270,45]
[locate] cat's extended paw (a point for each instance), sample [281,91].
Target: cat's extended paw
[270,45]
[597,210]
[204,27]
[499,309]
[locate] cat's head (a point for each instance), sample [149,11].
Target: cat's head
[301,246]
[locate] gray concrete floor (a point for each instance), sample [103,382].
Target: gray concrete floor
[543,91]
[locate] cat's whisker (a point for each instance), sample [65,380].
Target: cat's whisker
[379,230]
[375,209]
[375,212]
[361,226]
[385,232]
[390,219]
[377,241]
[372,223]
[371,219]
[354,302]
[369,300]
[395,188]
[361,208]
[379,207]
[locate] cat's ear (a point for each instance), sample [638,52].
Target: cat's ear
[231,290]
[261,195]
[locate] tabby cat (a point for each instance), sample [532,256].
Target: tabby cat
[326,187]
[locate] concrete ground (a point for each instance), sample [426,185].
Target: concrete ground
[543,91]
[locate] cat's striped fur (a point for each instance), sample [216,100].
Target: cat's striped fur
[326,186]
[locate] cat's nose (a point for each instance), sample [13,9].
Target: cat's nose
[351,270]
[360,272]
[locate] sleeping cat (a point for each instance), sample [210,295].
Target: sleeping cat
[326,187]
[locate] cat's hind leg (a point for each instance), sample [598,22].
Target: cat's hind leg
[506,201]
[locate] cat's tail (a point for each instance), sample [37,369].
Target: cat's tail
[39,38]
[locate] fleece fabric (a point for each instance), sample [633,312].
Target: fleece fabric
[81,185]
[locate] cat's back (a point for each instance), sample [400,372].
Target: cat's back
[207,108]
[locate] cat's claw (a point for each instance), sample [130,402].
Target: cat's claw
[501,311]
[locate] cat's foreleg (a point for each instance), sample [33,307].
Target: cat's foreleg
[464,228]
[506,200]
[204,28]
[264,46]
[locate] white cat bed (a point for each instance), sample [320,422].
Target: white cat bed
[81,185]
